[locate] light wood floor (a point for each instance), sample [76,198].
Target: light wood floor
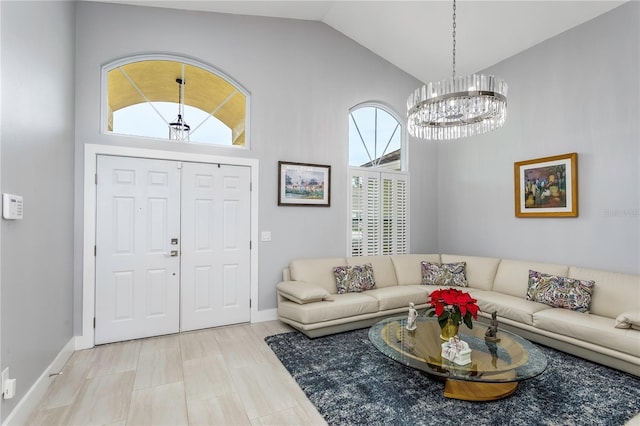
[220,376]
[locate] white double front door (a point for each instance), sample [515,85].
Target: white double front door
[172,247]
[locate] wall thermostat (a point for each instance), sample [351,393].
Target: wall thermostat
[11,206]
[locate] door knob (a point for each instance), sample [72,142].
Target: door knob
[174,253]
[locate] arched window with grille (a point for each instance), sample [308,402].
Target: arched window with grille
[167,97]
[378,207]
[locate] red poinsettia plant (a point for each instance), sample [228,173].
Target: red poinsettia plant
[455,304]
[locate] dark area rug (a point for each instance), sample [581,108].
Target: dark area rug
[351,383]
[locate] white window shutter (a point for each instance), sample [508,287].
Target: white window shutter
[401,215]
[372,215]
[394,217]
[364,212]
[378,213]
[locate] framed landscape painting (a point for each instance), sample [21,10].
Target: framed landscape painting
[547,187]
[303,184]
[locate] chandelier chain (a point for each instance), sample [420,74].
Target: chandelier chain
[454,38]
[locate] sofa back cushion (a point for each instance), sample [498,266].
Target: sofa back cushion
[480,271]
[408,267]
[317,271]
[383,272]
[613,292]
[512,277]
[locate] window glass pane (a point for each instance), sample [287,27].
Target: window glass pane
[375,138]
[143,120]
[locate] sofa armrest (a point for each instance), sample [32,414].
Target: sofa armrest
[302,292]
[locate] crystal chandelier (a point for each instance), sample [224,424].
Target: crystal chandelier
[459,106]
[179,129]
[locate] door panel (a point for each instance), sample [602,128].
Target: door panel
[137,281]
[142,289]
[215,245]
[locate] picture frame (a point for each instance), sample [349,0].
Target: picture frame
[547,187]
[304,184]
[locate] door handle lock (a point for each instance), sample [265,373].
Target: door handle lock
[174,253]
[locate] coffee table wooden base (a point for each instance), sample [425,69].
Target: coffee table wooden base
[478,391]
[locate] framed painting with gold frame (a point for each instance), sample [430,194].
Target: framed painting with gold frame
[547,187]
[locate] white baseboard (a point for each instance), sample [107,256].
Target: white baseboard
[266,315]
[20,414]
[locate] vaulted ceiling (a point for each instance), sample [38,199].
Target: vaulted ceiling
[416,36]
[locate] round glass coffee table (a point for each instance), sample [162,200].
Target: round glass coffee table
[495,368]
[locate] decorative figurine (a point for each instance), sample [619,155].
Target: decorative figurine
[456,351]
[412,317]
[492,332]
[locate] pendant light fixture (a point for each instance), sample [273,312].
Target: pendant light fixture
[179,129]
[459,106]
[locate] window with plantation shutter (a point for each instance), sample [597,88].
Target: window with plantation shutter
[378,184]
[378,210]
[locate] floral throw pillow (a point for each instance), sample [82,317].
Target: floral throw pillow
[451,274]
[354,279]
[560,292]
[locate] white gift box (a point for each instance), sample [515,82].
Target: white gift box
[456,351]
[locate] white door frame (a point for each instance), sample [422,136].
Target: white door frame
[91,151]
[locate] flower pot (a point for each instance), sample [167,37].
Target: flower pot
[449,330]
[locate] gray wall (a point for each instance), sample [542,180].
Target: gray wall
[37,163]
[303,77]
[577,92]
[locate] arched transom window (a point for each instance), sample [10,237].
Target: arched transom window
[169,98]
[375,138]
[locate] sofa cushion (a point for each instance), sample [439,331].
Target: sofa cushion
[302,292]
[317,271]
[594,329]
[613,294]
[399,296]
[512,276]
[628,320]
[354,279]
[408,269]
[382,269]
[451,274]
[480,271]
[343,306]
[513,307]
[560,292]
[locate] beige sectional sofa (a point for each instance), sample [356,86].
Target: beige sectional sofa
[308,301]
